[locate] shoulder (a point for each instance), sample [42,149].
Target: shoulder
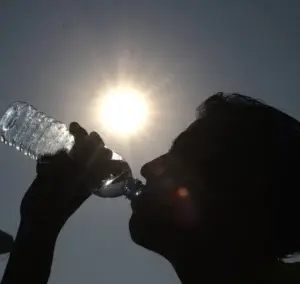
[288,273]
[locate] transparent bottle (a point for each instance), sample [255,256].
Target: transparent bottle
[35,134]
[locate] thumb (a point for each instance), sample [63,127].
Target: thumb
[116,167]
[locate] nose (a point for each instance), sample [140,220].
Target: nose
[153,168]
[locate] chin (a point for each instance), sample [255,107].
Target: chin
[140,233]
[144,234]
[136,230]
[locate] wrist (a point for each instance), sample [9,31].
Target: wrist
[39,229]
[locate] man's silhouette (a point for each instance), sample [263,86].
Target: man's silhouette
[221,206]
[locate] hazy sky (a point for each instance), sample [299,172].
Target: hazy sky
[56,55]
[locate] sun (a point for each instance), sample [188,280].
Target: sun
[123,110]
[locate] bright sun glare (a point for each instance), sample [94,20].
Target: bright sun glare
[123,110]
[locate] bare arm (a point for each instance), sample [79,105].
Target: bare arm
[61,186]
[31,258]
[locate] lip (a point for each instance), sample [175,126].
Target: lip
[136,203]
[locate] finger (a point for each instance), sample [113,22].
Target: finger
[100,158]
[50,157]
[95,149]
[96,139]
[115,167]
[106,154]
[45,162]
[78,132]
[44,159]
[97,167]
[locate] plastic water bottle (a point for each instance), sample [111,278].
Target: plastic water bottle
[35,134]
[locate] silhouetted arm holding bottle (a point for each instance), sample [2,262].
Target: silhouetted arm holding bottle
[61,186]
[31,257]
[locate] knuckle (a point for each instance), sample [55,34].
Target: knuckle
[108,152]
[96,139]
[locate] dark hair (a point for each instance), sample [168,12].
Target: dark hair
[245,139]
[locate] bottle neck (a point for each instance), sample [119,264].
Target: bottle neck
[133,188]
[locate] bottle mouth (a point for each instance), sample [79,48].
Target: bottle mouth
[133,188]
[121,185]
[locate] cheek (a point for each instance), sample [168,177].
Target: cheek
[185,210]
[186,215]
[168,204]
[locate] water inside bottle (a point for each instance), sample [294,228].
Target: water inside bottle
[35,134]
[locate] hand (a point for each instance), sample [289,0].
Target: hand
[64,181]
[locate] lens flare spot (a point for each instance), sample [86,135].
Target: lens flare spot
[182,192]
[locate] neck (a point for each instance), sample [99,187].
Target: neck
[201,267]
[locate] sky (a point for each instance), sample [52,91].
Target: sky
[57,55]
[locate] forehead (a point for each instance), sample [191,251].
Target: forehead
[185,139]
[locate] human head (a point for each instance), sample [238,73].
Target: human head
[237,166]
